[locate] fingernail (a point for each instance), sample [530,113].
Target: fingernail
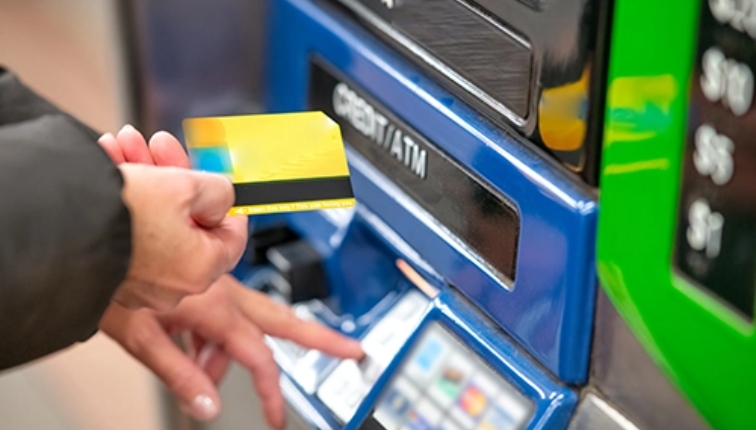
[128,127]
[106,136]
[157,134]
[201,408]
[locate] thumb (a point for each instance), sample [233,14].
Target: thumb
[140,333]
[213,197]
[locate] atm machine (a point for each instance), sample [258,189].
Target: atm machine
[553,228]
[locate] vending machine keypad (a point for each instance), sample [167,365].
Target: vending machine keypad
[345,387]
[305,366]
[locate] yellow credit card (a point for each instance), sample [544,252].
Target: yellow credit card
[278,163]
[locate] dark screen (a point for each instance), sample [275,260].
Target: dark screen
[462,203]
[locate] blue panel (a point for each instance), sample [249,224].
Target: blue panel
[549,307]
[553,402]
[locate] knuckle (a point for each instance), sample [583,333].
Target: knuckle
[181,380]
[199,276]
[263,361]
[140,338]
[184,184]
[197,287]
[287,316]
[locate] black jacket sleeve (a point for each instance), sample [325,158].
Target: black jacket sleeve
[65,234]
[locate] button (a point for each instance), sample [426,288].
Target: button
[343,390]
[371,369]
[388,336]
[292,351]
[305,366]
[412,304]
[451,379]
[396,403]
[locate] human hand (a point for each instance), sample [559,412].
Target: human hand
[145,334]
[227,322]
[182,239]
[205,246]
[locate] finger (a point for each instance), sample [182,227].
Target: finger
[231,237]
[134,146]
[166,150]
[206,352]
[109,143]
[209,318]
[213,197]
[208,356]
[246,344]
[279,320]
[216,366]
[142,336]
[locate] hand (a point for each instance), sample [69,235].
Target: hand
[182,239]
[211,318]
[227,322]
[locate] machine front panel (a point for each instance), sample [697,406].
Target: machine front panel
[546,305]
[467,268]
[454,197]
[536,66]
[676,236]
[450,375]
[443,384]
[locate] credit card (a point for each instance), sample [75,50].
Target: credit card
[278,162]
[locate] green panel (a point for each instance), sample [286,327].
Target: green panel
[705,348]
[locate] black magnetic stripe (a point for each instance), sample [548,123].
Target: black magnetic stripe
[296,190]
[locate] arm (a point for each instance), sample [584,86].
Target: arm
[65,234]
[75,231]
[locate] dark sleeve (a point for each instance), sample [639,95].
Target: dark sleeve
[65,234]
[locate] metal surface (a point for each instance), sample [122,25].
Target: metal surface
[538,68]
[549,306]
[704,347]
[486,59]
[593,413]
[625,375]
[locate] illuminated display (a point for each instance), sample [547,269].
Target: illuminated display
[443,385]
[716,235]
